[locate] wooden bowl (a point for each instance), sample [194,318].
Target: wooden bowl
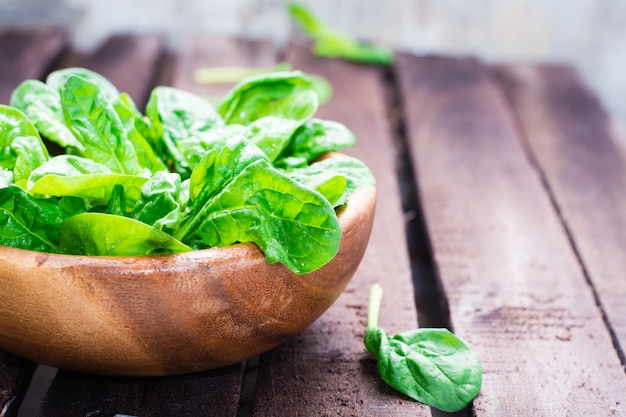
[167,314]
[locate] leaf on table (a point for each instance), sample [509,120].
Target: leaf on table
[432,366]
[331,43]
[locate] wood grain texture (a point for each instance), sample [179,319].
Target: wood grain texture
[192,395]
[326,371]
[516,292]
[15,376]
[27,54]
[569,134]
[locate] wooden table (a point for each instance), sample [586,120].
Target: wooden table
[501,214]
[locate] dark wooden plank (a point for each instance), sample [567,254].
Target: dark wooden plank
[15,376]
[515,289]
[27,53]
[570,137]
[191,395]
[130,62]
[326,371]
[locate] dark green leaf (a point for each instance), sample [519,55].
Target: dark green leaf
[160,201]
[107,234]
[290,95]
[27,222]
[97,125]
[432,366]
[292,224]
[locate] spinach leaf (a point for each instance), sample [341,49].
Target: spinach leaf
[97,125]
[57,78]
[69,175]
[160,202]
[31,153]
[6,178]
[131,118]
[432,366]
[175,115]
[291,224]
[290,95]
[334,44]
[42,105]
[271,134]
[13,123]
[314,138]
[194,147]
[236,196]
[357,174]
[27,222]
[108,234]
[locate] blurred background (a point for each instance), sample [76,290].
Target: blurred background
[589,34]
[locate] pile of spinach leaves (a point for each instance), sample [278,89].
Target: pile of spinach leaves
[183,176]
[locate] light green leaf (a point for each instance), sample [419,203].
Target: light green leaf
[68,175]
[13,124]
[111,235]
[42,105]
[289,95]
[97,125]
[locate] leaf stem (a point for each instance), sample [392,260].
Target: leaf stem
[376,296]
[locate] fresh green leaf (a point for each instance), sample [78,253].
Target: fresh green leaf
[69,175]
[292,224]
[194,147]
[131,118]
[6,178]
[313,139]
[27,222]
[31,153]
[42,105]
[160,202]
[13,124]
[432,366]
[357,175]
[111,235]
[219,166]
[175,115]
[56,79]
[290,95]
[271,134]
[330,43]
[97,125]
